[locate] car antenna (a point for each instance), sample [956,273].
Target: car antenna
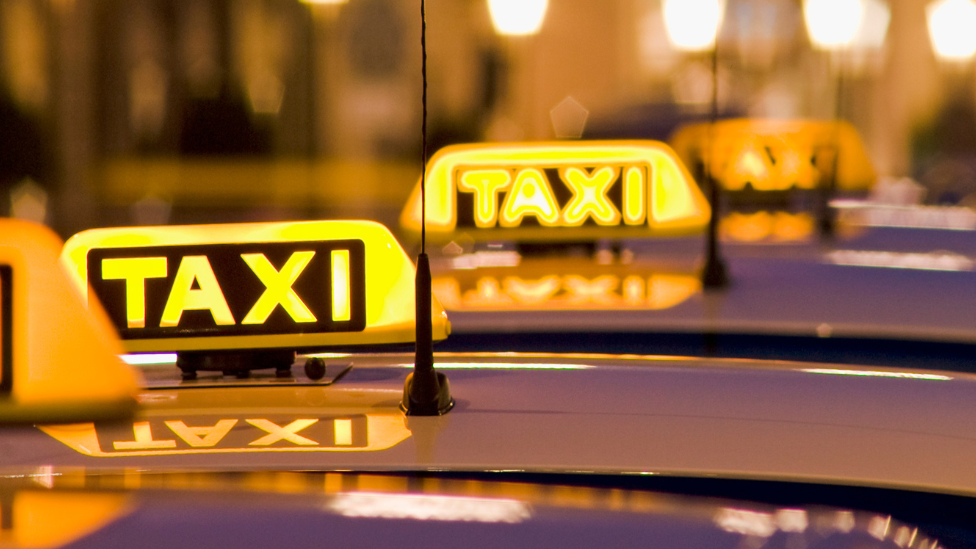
[426,392]
[714,274]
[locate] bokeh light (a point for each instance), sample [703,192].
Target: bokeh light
[692,25]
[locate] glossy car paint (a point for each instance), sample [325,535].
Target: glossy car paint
[732,419]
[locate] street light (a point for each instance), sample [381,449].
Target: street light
[517,17]
[833,24]
[874,26]
[692,25]
[951,24]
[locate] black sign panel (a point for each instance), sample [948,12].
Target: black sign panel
[239,286]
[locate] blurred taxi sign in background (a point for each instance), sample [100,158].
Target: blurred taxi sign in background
[251,286]
[550,191]
[777,155]
[58,360]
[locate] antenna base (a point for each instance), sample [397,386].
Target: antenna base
[714,276]
[426,391]
[426,395]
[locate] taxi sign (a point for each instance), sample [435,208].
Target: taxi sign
[777,155]
[558,191]
[251,286]
[58,360]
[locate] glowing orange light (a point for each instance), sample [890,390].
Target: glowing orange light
[764,226]
[776,155]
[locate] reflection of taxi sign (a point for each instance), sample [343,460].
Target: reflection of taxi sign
[251,286]
[575,289]
[777,155]
[58,361]
[35,518]
[581,189]
[202,434]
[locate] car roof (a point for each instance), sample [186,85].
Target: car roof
[735,419]
[882,285]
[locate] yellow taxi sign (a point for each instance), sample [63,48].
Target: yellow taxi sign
[777,155]
[251,286]
[58,359]
[558,190]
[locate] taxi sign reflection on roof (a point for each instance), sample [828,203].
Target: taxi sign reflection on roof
[558,190]
[209,434]
[545,285]
[251,286]
[777,155]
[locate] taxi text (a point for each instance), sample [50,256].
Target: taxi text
[231,289]
[506,198]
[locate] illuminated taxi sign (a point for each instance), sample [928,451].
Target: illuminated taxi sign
[203,434]
[582,188]
[777,155]
[239,286]
[58,360]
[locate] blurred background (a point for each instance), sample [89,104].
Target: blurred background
[116,112]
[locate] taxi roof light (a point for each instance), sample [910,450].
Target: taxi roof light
[562,190]
[251,286]
[59,361]
[777,155]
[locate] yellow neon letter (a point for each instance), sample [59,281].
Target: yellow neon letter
[278,290]
[590,197]
[184,298]
[485,184]
[135,271]
[341,308]
[143,439]
[635,196]
[202,437]
[530,195]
